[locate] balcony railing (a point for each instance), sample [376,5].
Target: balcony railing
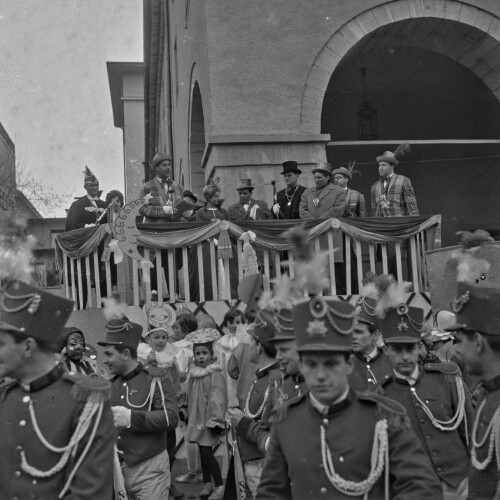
[183,262]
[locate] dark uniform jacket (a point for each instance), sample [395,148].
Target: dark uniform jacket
[484,484]
[153,211]
[436,387]
[289,207]
[81,212]
[280,392]
[237,211]
[293,468]
[367,373]
[147,435]
[57,399]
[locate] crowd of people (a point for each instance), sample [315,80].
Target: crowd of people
[316,398]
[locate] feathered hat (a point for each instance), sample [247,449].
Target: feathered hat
[393,158]
[398,322]
[88,176]
[349,172]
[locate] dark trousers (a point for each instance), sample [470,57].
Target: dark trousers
[210,466]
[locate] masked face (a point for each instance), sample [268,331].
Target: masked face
[75,346]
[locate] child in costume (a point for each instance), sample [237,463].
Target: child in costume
[207,406]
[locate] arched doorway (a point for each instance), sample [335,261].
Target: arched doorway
[434,78]
[196,177]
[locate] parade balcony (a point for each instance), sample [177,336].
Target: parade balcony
[195,263]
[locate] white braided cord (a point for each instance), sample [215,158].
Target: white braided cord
[492,433]
[379,459]
[454,422]
[248,413]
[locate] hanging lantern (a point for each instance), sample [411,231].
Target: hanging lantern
[367,116]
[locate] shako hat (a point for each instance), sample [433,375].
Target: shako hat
[89,177]
[283,325]
[324,168]
[291,167]
[365,311]
[323,325]
[264,329]
[245,184]
[33,312]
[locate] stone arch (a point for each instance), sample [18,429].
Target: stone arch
[195,176]
[352,32]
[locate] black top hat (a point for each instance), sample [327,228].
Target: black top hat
[33,312]
[291,167]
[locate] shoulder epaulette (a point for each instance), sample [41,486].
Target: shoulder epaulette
[86,385]
[280,412]
[387,408]
[274,376]
[445,368]
[155,372]
[386,381]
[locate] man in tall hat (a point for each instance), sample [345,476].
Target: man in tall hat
[286,385]
[247,207]
[144,406]
[392,195]
[370,364]
[87,209]
[355,201]
[252,366]
[332,442]
[287,200]
[164,193]
[56,427]
[477,332]
[433,395]
[325,199]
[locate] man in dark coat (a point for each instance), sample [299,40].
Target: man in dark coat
[163,192]
[144,408]
[56,427]
[370,364]
[287,201]
[333,442]
[477,331]
[248,208]
[87,209]
[433,395]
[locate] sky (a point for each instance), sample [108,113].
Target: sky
[55,101]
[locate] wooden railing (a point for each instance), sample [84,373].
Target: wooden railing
[177,270]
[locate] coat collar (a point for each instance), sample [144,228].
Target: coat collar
[130,375]
[493,384]
[45,380]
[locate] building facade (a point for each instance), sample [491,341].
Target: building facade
[233,88]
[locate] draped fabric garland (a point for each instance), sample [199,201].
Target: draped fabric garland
[269,234]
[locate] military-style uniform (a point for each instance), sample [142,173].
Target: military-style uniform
[150,420]
[294,466]
[367,373]
[436,388]
[54,404]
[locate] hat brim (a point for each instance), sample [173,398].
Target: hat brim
[294,171]
[282,338]
[341,172]
[401,340]
[322,171]
[367,322]
[324,348]
[7,327]
[243,188]
[455,328]
[388,160]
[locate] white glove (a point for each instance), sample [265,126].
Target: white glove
[89,225]
[168,210]
[276,209]
[121,416]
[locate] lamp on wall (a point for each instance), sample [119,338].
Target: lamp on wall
[367,116]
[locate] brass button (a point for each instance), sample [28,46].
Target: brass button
[326,421]
[323,490]
[26,399]
[122,397]
[19,447]
[17,473]
[22,423]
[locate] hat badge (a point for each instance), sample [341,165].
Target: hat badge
[316,328]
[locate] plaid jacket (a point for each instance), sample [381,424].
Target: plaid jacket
[237,212]
[399,198]
[153,211]
[354,204]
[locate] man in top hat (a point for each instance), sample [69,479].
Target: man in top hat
[87,209]
[287,201]
[325,200]
[433,395]
[355,201]
[253,366]
[332,442]
[370,364]
[164,192]
[392,195]
[286,385]
[56,427]
[248,208]
[144,406]
[477,332]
